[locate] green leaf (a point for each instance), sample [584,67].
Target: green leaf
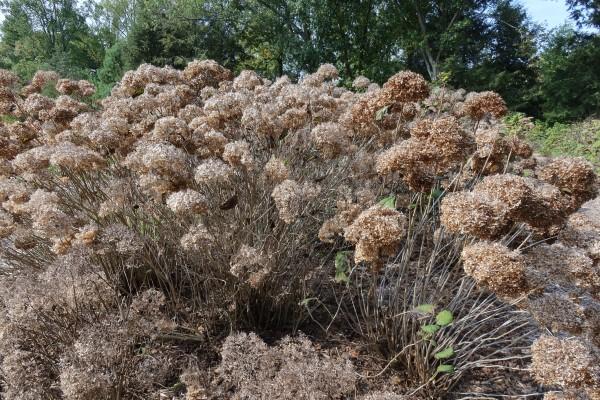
[389,202]
[430,329]
[444,318]
[446,353]
[342,267]
[381,113]
[54,170]
[445,368]
[306,302]
[341,277]
[425,308]
[436,193]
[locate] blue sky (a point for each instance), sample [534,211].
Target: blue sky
[550,13]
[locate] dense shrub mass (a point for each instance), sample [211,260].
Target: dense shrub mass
[142,236]
[557,279]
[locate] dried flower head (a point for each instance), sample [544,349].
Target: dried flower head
[496,267]
[557,312]
[376,232]
[35,103]
[187,201]
[519,147]
[204,73]
[327,71]
[159,158]
[172,130]
[213,171]
[511,190]
[570,362]
[275,170]
[330,139]
[573,176]
[39,81]
[290,196]
[197,238]
[249,265]
[68,155]
[406,86]
[557,264]
[246,80]
[238,154]
[491,154]
[474,214]
[478,105]
[291,370]
[361,82]
[444,137]
[8,78]
[6,224]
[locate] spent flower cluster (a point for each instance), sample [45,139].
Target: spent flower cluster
[535,252]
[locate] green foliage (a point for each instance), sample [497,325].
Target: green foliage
[113,65]
[157,37]
[446,353]
[174,33]
[342,266]
[444,318]
[426,308]
[447,368]
[506,63]
[569,82]
[430,328]
[48,34]
[389,202]
[381,113]
[8,119]
[49,90]
[585,12]
[429,332]
[581,139]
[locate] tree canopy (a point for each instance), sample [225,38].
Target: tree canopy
[473,44]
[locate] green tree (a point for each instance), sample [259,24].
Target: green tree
[173,33]
[569,86]
[585,12]
[50,34]
[507,63]
[441,36]
[296,36]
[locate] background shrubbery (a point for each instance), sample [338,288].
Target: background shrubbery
[580,139]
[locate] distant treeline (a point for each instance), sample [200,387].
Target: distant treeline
[474,44]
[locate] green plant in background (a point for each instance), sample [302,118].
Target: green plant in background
[518,124]
[579,139]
